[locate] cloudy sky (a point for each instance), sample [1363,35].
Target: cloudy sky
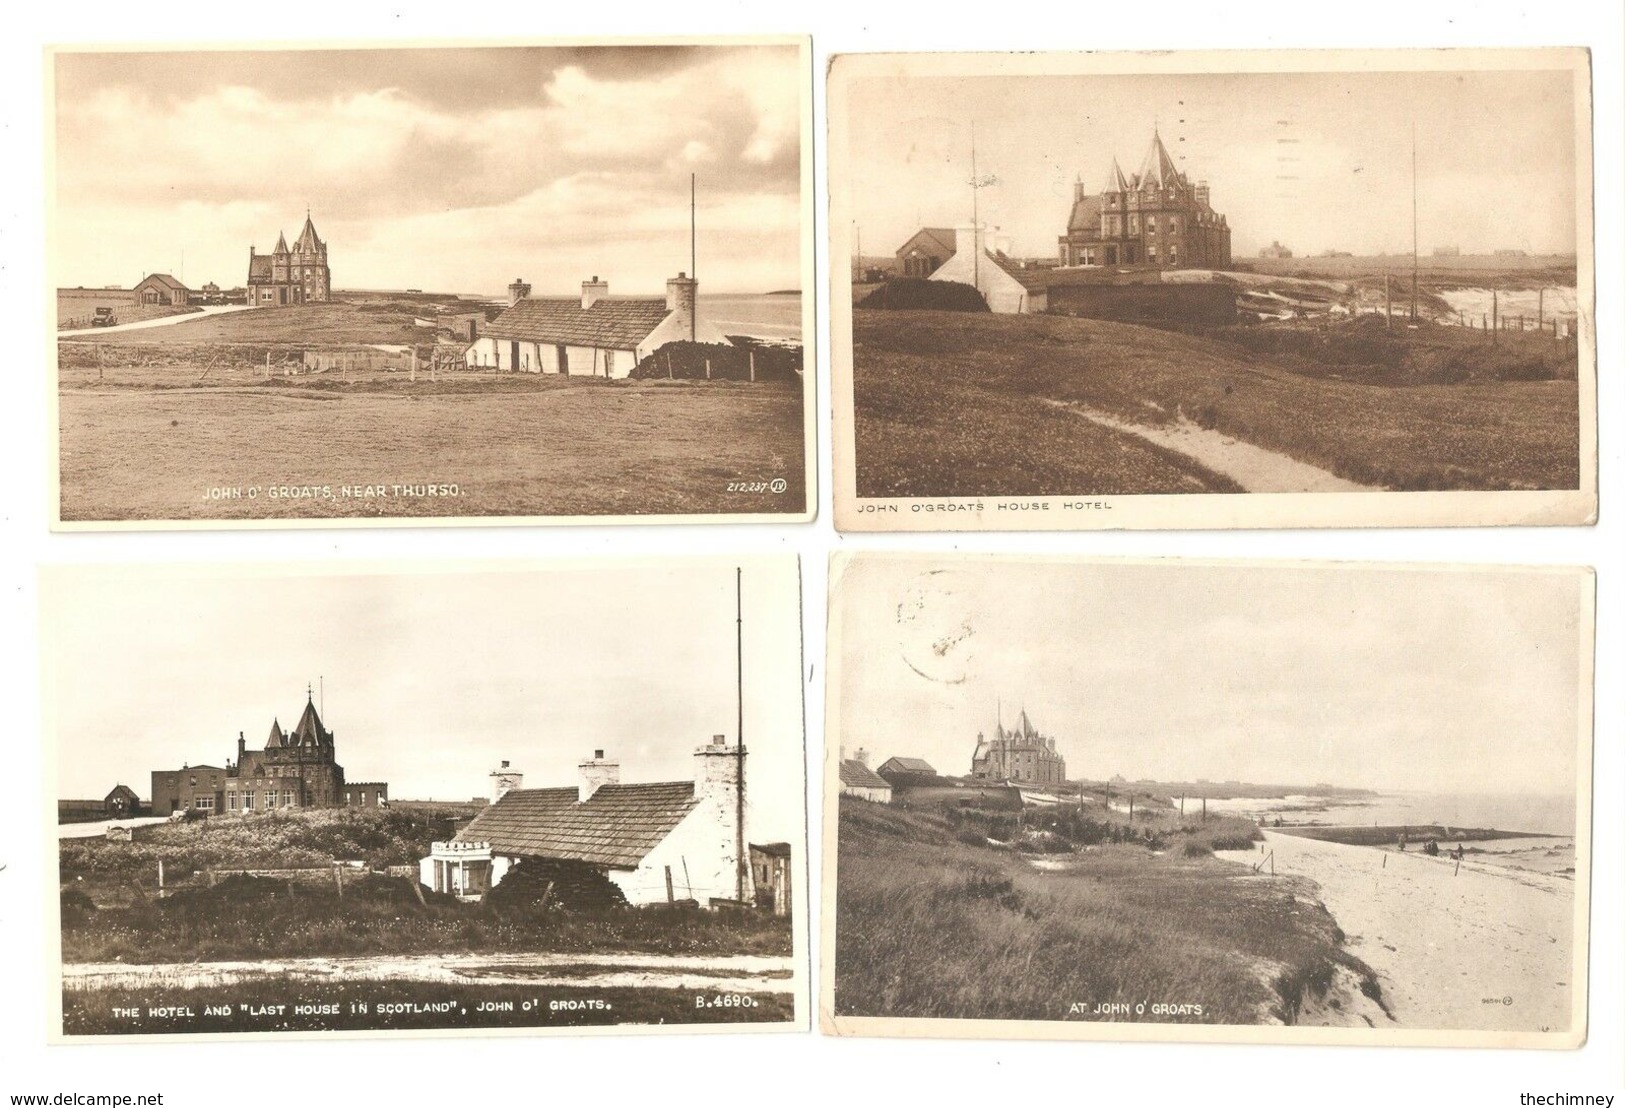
[430,680]
[1446,682]
[440,169]
[1316,161]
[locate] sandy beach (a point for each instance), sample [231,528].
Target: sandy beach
[1488,948]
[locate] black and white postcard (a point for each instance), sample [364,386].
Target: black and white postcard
[1263,802]
[544,797]
[1204,290]
[475,283]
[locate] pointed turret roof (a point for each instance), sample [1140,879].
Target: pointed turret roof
[309,730]
[281,243]
[277,737]
[1025,725]
[308,242]
[1158,168]
[1115,181]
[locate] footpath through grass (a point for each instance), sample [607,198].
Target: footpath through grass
[931,923]
[953,404]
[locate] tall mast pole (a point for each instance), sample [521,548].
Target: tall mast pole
[975,215]
[693,264]
[1413,221]
[739,700]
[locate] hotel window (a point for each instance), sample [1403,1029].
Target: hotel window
[1151,254]
[1151,224]
[231,801]
[203,803]
[248,801]
[1133,224]
[1173,225]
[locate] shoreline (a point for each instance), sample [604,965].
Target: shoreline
[1488,948]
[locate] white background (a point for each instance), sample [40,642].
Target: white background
[801,1067]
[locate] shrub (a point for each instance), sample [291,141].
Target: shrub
[917,294]
[686,361]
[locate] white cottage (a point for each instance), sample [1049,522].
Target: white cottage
[1007,288]
[596,336]
[667,840]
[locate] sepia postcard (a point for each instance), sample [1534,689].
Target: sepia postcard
[1212,289]
[548,797]
[1073,798]
[353,284]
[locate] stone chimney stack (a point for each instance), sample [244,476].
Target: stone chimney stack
[1201,192]
[517,291]
[681,292]
[717,788]
[861,757]
[592,292]
[504,781]
[597,772]
[1077,189]
[240,748]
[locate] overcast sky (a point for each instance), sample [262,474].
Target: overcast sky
[430,680]
[441,169]
[1316,161]
[1446,682]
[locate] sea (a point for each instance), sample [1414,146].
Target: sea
[1475,305]
[1545,815]
[1551,819]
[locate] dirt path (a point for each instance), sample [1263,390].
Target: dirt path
[1252,467]
[734,973]
[1483,949]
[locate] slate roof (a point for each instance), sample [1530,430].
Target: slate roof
[259,267]
[945,239]
[612,323]
[909,765]
[1157,168]
[308,242]
[1033,280]
[774,850]
[165,280]
[616,827]
[309,730]
[1085,215]
[854,774]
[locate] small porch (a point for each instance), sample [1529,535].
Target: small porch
[460,869]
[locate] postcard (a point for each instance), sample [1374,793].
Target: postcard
[1210,801]
[352,284]
[1212,289]
[548,797]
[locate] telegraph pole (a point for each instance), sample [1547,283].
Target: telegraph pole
[693,264]
[975,214]
[741,862]
[1413,221]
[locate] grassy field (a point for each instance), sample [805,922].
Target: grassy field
[931,924]
[361,320]
[520,445]
[959,404]
[408,1006]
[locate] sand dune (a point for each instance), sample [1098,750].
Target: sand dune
[1484,949]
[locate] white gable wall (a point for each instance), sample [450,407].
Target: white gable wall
[674,328]
[701,851]
[1003,293]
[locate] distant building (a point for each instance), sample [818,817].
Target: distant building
[1447,251]
[296,769]
[1021,754]
[595,336]
[770,871]
[906,765]
[297,275]
[862,782]
[1275,250]
[122,803]
[161,288]
[657,842]
[926,250]
[1156,219]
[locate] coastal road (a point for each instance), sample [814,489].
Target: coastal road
[741,973]
[1486,949]
[160,321]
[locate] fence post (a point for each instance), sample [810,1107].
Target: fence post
[708,369]
[753,367]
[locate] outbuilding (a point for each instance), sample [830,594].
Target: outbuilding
[161,288]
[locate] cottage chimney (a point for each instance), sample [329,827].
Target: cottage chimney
[680,297]
[505,780]
[597,772]
[517,291]
[717,789]
[592,292]
[861,757]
